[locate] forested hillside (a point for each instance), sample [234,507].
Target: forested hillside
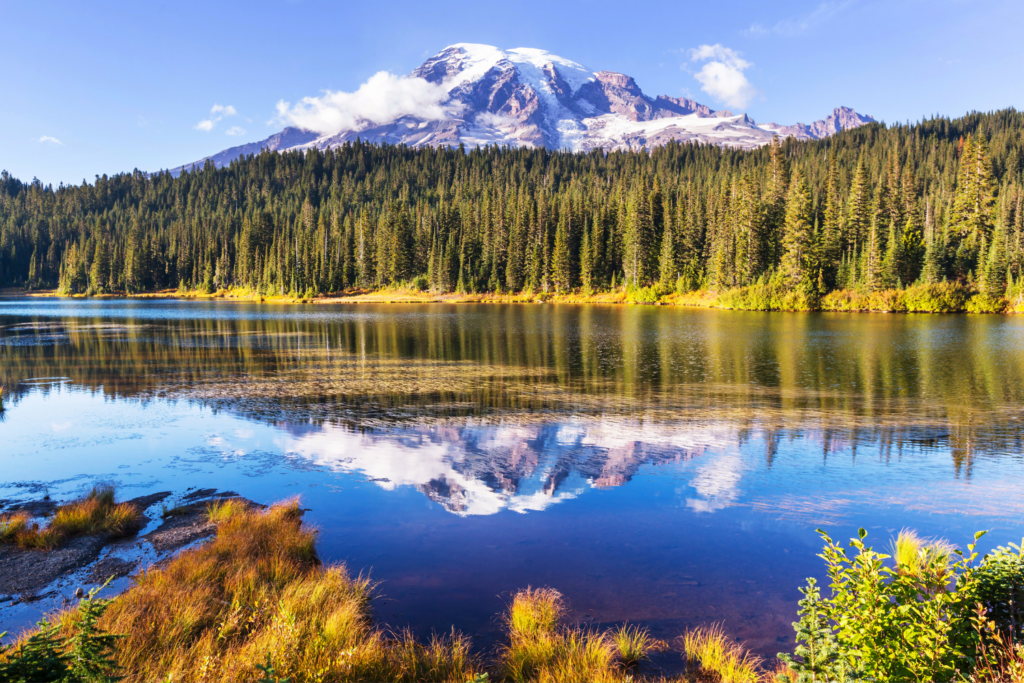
[868,209]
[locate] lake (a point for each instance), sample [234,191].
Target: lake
[666,466]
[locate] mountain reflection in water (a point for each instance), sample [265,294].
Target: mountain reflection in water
[661,465]
[480,470]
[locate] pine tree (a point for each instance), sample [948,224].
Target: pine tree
[563,272]
[99,273]
[639,239]
[668,270]
[587,260]
[892,262]
[817,658]
[831,245]
[799,264]
[871,271]
[774,215]
[993,282]
[858,222]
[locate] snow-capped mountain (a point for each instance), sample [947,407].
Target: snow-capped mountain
[530,97]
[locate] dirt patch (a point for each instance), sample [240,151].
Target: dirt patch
[111,567]
[187,523]
[26,571]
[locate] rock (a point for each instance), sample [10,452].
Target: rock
[79,593]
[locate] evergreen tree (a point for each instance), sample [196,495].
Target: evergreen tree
[639,239]
[799,264]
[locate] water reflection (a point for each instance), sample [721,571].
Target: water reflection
[662,465]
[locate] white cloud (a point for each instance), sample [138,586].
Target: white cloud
[235,130]
[722,77]
[53,140]
[381,99]
[797,25]
[217,112]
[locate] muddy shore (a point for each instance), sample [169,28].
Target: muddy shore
[34,582]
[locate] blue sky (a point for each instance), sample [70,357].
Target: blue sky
[106,87]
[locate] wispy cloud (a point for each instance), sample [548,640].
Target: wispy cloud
[795,26]
[51,140]
[721,75]
[217,113]
[381,99]
[235,130]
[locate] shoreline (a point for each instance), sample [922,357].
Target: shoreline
[838,301]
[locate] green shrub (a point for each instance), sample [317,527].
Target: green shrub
[642,295]
[940,297]
[911,619]
[420,283]
[770,294]
[983,303]
[1001,588]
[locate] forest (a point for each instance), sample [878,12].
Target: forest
[867,210]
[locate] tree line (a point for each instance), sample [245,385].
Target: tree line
[868,209]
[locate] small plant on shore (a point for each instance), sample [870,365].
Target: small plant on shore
[633,644]
[71,649]
[1000,590]
[544,650]
[817,657]
[96,513]
[712,651]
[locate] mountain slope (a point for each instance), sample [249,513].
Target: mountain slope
[530,97]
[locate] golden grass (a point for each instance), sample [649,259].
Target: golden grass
[717,654]
[258,595]
[215,613]
[13,525]
[914,554]
[543,650]
[96,513]
[223,510]
[634,644]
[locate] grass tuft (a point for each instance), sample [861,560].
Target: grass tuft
[542,650]
[914,554]
[535,612]
[633,644]
[223,510]
[257,596]
[715,653]
[96,513]
[12,525]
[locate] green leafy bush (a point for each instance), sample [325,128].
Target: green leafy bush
[983,303]
[770,294]
[642,295]
[910,619]
[939,297]
[1000,588]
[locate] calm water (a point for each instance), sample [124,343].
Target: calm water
[665,466]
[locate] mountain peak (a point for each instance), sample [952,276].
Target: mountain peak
[528,97]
